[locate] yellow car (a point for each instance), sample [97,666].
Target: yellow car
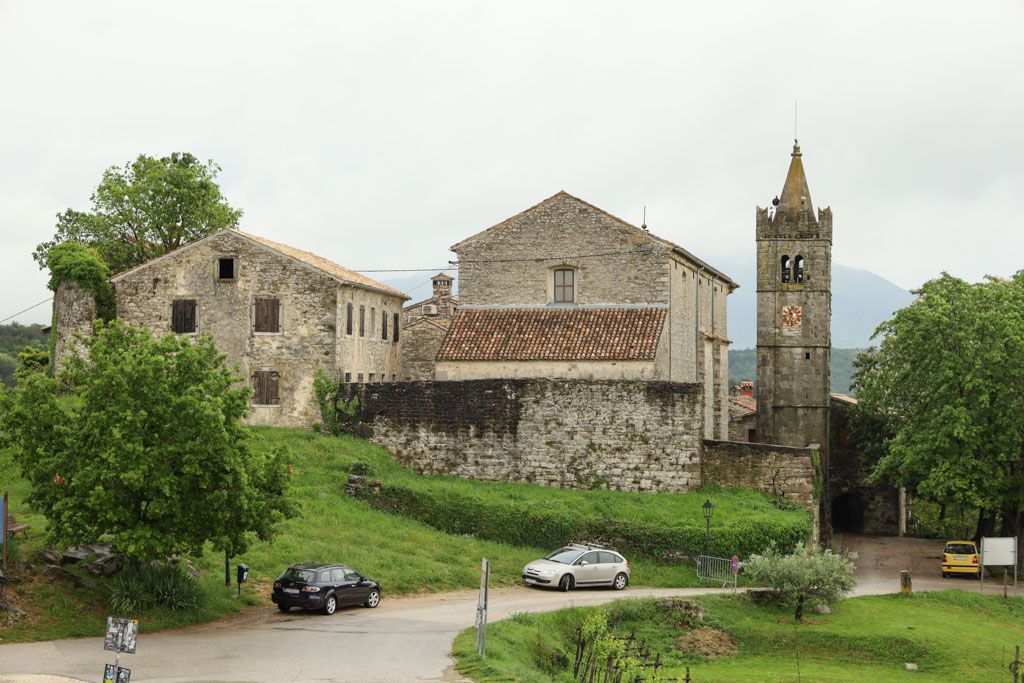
[961,557]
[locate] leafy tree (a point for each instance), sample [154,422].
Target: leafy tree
[942,397]
[806,577]
[147,451]
[146,208]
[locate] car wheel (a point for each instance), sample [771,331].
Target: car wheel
[567,583]
[283,608]
[373,599]
[330,604]
[620,581]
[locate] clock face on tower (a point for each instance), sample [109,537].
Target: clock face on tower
[792,316]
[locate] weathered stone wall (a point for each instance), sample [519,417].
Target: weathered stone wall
[75,311]
[622,435]
[548,369]
[782,471]
[313,324]
[421,341]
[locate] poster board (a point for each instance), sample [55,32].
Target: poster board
[121,635]
[999,551]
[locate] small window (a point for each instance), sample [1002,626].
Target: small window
[395,321]
[348,377]
[268,315]
[373,321]
[226,269]
[807,355]
[359,377]
[362,326]
[348,318]
[798,269]
[565,281]
[265,385]
[384,326]
[752,435]
[183,316]
[785,268]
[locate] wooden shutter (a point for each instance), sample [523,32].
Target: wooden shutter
[384,326]
[183,316]
[259,394]
[266,387]
[396,321]
[362,321]
[348,318]
[268,315]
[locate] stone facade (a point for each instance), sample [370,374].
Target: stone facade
[75,312]
[424,325]
[613,263]
[621,435]
[313,333]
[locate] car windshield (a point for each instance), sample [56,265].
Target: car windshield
[960,548]
[303,575]
[564,555]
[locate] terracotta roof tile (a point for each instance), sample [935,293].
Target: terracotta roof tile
[553,334]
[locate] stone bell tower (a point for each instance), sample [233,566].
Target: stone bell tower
[794,310]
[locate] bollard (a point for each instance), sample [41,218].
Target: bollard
[906,586]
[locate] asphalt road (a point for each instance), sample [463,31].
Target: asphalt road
[405,639]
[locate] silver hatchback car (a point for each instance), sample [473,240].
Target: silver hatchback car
[579,565]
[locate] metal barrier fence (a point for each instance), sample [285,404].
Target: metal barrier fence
[718,569]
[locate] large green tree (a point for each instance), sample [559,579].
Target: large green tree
[945,390]
[138,442]
[146,208]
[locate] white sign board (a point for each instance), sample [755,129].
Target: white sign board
[999,551]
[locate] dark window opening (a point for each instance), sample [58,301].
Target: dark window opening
[362,327]
[348,318]
[268,315]
[395,321]
[785,268]
[265,388]
[798,269]
[807,355]
[752,435]
[183,316]
[360,377]
[565,280]
[384,326]
[226,268]
[848,513]
[348,377]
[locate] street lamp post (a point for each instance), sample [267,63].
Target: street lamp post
[708,507]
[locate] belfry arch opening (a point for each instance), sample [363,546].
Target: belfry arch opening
[848,513]
[786,266]
[798,268]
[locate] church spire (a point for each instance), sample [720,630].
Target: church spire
[795,201]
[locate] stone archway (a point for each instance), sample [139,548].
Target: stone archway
[848,513]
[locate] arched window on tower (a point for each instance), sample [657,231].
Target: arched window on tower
[798,268]
[785,268]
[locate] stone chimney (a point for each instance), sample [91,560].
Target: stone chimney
[442,285]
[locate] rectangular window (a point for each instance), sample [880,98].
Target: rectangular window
[373,321]
[183,316]
[362,325]
[268,315]
[265,388]
[384,326]
[348,377]
[564,285]
[226,268]
[348,318]
[360,377]
[395,320]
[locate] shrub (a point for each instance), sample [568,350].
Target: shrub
[803,578]
[154,585]
[337,416]
[552,524]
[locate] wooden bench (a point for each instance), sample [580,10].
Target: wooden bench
[14,528]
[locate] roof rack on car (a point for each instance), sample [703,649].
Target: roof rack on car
[586,546]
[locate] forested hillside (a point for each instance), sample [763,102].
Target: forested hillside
[743,365]
[13,338]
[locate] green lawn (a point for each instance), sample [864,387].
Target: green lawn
[951,635]
[405,555]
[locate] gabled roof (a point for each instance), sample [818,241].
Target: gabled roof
[741,406]
[562,195]
[440,323]
[527,334]
[326,266]
[454,299]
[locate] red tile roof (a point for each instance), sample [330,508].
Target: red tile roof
[553,334]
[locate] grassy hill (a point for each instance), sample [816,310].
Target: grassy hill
[13,338]
[407,555]
[743,365]
[950,636]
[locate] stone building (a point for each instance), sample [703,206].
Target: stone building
[565,290]
[424,326]
[278,313]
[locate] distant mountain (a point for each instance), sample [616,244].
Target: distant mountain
[860,301]
[743,365]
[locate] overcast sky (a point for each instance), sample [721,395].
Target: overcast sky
[378,134]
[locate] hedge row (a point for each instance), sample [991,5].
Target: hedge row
[551,526]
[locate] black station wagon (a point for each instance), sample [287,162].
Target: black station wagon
[324,587]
